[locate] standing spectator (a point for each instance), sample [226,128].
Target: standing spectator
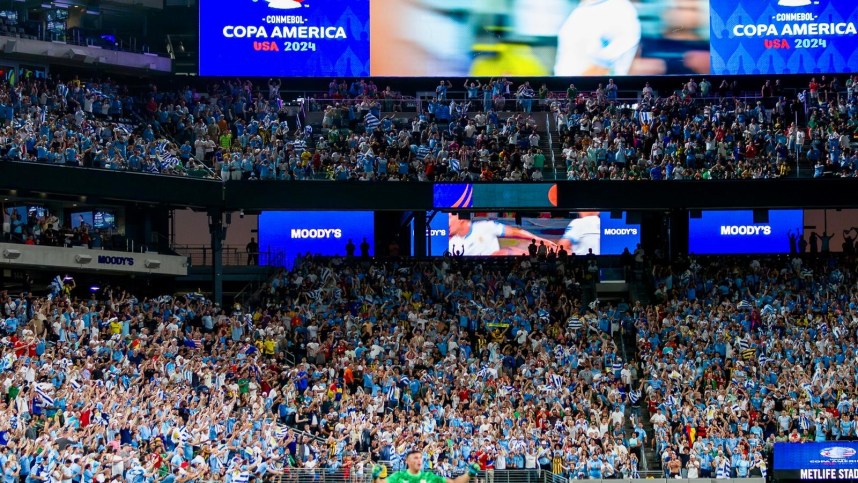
[252,250]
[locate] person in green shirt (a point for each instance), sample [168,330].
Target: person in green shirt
[572,92]
[413,472]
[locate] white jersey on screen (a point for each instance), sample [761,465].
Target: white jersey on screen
[584,234]
[602,33]
[481,239]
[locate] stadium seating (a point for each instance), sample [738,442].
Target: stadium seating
[241,131]
[341,361]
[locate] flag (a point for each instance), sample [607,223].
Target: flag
[44,396]
[76,385]
[748,354]
[454,165]
[557,380]
[166,161]
[744,304]
[193,343]
[404,380]
[574,323]
[325,274]
[634,396]
[371,122]
[316,295]
[723,469]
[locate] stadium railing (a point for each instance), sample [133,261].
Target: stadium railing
[201,256]
[553,158]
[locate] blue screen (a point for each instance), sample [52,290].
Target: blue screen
[836,460]
[318,232]
[436,235]
[103,220]
[734,232]
[617,235]
[81,218]
[284,38]
[783,36]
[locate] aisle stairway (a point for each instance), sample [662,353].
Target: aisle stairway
[640,289]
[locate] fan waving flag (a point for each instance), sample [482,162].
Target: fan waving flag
[193,343]
[44,396]
[166,161]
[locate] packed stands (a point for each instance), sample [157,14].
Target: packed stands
[341,361]
[237,130]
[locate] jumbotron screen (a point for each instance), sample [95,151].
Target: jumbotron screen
[582,233]
[471,38]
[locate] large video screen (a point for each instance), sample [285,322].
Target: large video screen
[465,38]
[540,37]
[784,36]
[494,196]
[786,231]
[284,38]
[294,233]
[734,232]
[581,233]
[831,460]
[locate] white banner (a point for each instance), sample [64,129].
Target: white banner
[83,259]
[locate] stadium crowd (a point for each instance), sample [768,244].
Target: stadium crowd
[238,130]
[342,361]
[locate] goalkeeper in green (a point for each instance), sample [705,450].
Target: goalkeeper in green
[413,472]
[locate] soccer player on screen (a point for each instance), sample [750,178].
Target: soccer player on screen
[413,472]
[600,37]
[583,234]
[482,238]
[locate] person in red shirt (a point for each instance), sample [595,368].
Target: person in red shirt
[813,87]
[750,152]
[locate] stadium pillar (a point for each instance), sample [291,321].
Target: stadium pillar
[419,234]
[218,233]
